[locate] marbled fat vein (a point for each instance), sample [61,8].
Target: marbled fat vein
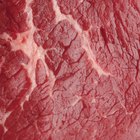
[84,36]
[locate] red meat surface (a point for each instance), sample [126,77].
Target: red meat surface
[69,70]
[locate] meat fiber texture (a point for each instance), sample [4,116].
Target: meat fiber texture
[69,70]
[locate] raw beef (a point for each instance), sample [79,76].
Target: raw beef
[69,70]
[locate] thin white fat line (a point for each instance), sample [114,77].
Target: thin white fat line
[84,35]
[2,122]
[30,67]
[37,53]
[59,16]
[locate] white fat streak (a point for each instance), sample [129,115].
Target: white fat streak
[4,118]
[5,36]
[30,48]
[52,80]
[84,36]
[76,100]
[35,53]
[75,24]
[2,60]
[87,48]
[58,15]
[81,1]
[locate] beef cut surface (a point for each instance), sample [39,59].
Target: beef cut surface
[69,70]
